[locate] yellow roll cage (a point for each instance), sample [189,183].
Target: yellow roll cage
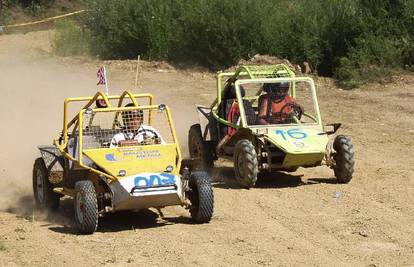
[61,141]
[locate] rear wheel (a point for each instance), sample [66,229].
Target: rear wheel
[42,188]
[344,159]
[86,207]
[201,197]
[245,163]
[200,149]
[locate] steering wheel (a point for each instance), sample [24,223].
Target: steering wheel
[296,110]
[151,140]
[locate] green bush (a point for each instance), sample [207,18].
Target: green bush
[353,40]
[32,7]
[71,39]
[370,59]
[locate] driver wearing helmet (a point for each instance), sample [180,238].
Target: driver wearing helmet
[135,132]
[277,106]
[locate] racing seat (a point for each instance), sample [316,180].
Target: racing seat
[228,97]
[72,148]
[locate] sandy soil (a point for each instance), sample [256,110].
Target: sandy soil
[302,218]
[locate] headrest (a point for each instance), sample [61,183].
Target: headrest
[230,91]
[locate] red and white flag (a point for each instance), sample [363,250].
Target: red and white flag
[101,76]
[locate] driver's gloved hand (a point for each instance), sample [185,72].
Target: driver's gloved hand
[302,110]
[298,109]
[151,141]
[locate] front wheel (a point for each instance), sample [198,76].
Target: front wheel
[344,159]
[245,163]
[86,207]
[201,197]
[42,188]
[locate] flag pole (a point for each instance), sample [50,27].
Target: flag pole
[106,82]
[136,73]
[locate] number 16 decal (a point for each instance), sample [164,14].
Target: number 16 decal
[292,133]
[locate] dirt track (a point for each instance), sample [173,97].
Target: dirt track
[302,218]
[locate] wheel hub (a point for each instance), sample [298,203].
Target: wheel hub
[80,207]
[196,148]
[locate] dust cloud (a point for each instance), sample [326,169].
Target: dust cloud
[33,87]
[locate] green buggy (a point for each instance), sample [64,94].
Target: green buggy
[234,128]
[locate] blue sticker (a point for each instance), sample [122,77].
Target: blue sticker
[110,157]
[282,133]
[292,133]
[139,179]
[168,178]
[297,134]
[154,179]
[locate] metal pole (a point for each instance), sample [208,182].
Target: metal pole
[136,74]
[106,82]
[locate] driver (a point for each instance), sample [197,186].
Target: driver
[276,106]
[135,132]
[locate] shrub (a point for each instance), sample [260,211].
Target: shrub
[71,39]
[353,40]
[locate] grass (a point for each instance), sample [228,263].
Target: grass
[370,37]
[71,39]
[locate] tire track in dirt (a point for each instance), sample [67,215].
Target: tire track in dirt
[300,218]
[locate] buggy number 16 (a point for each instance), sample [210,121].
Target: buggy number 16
[292,133]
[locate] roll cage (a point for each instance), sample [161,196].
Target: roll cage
[258,75]
[77,123]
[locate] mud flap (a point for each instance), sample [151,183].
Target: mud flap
[207,123]
[54,162]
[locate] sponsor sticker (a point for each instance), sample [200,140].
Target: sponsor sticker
[143,154]
[140,154]
[298,144]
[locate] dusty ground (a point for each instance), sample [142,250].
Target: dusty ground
[303,218]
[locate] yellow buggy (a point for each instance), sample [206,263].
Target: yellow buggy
[107,165]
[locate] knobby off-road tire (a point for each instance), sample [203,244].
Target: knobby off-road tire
[42,188]
[86,207]
[245,163]
[201,197]
[344,159]
[200,149]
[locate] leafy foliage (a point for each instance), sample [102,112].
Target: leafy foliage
[32,7]
[70,39]
[352,40]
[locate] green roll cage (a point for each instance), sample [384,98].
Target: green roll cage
[260,74]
